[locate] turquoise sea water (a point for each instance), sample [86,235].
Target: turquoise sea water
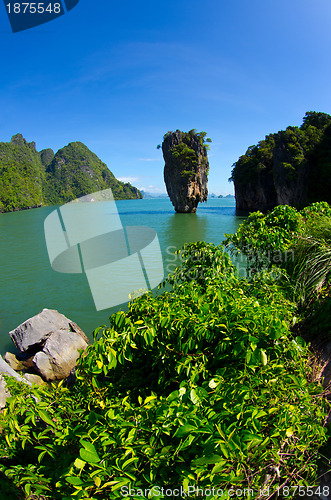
[29,284]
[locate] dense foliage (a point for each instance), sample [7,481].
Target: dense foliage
[187,137]
[21,175]
[187,154]
[201,386]
[298,157]
[298,242]
[29,178]
[75,171]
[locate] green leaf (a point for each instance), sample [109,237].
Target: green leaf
[186,483]
[219,466]
[89,453]
[264,357]
[184,430]
[97,481]
[45,417]
[213,383]
[118,485]
[212,459]
[89,457]
[224,450]
[74,480]
[129,461]
[79,463]
[194,397]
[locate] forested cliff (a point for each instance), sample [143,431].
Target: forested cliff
[291,167]
[29,178]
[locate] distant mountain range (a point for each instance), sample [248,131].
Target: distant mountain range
[212,195]
[29,178]
[147,195]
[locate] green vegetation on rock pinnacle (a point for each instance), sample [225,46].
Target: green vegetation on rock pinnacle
[29,178]
[291,167]
[186,168]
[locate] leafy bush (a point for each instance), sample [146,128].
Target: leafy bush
[265,239]
[298,242]
[185,155]
[202,386]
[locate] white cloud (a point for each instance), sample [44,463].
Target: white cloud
[128,179]
[152,189]
[149,159]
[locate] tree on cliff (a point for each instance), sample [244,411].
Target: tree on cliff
[186,168]
[291,167]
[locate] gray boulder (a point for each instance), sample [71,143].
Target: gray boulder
[33,333]
[59,355]
[13,362]
[34,379]
[5,368]
[50,343]
[4,393]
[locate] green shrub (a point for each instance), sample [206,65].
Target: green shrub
[296,241]
[203,386]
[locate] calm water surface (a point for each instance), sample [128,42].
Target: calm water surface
[28,283]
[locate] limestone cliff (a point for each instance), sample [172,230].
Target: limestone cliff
[186,169]
[21,175]
[75,171]
[291,167]
[29,178]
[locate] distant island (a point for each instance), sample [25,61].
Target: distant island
[213,195]
[30,179]
[149,196]
[290,167]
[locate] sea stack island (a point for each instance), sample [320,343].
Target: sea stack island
[186,168]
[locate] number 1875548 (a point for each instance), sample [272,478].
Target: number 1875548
[305,491]
[33,8]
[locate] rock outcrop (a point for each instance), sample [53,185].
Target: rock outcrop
[50,343]
[291,167]
[276,184]
[4,393]
[186,169]
[6,369]
[59,354]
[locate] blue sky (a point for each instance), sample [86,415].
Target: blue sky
[118,75]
